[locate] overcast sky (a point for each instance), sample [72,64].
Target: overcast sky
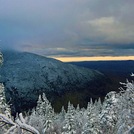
[68,27]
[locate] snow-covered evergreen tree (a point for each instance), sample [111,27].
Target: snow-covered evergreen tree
[35,120]
[4,107]
[79,116]
[42,103]
[4,110]
[49,117]
[58,121]
[42,117]
[108,116]
[98,105]
[61,116]
[126,108]
[69,126]
[1,58]
[93,123]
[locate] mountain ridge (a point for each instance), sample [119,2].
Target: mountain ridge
[26,75]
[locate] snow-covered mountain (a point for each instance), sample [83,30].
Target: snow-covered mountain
[26,75]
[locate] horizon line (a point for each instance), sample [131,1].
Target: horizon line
[94,58]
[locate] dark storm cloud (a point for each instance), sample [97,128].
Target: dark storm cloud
[68,28]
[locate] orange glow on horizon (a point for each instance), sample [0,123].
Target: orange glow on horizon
[99,58]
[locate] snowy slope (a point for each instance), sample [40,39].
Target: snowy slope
[26,75]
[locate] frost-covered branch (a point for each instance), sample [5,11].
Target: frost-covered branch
[21,123]
[11,129]
[18,124]
[6,120]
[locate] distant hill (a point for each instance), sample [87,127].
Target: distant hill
[108,67]
[26,75]
[116,71]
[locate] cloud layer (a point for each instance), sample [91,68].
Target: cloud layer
[68,28]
